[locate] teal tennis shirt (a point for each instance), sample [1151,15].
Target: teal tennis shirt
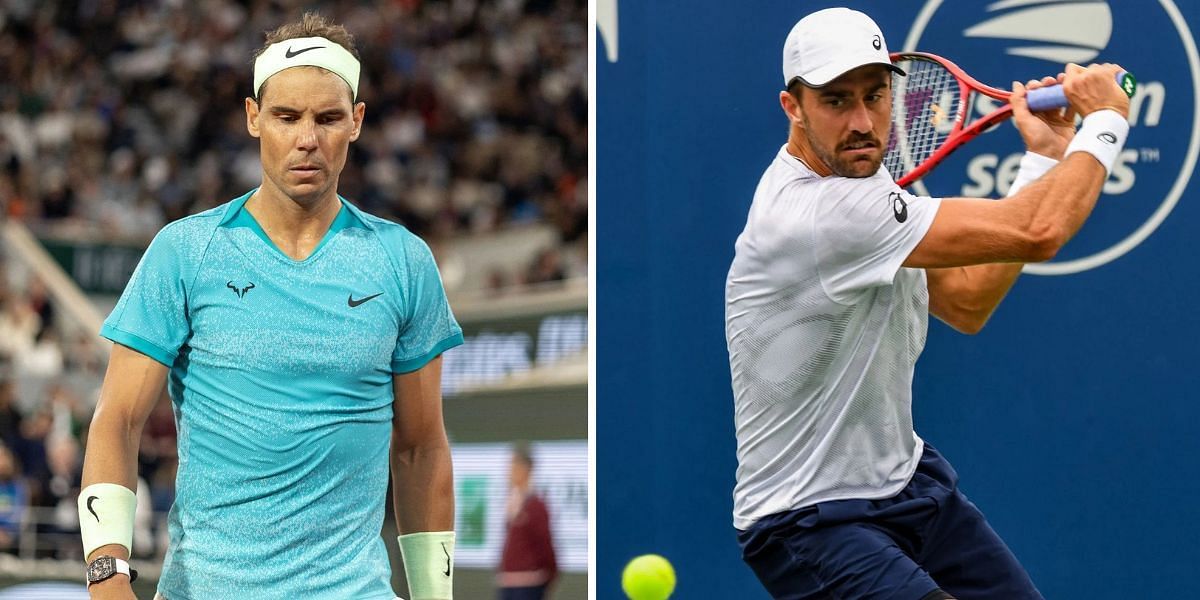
[281,381]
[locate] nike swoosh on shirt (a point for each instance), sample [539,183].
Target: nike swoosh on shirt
[290,54]
[90,500]
[447,558]
[352,302]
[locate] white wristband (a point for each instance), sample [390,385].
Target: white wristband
[106,516]
[429,564]
[1102,135]
[1033,166]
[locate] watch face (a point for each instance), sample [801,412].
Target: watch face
[102,568]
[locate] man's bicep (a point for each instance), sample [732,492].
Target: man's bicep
[969,231]
[417,404]
[132,386]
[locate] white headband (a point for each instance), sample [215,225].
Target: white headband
[306,52]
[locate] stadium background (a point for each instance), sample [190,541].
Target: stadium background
[118,116]
[1070,418]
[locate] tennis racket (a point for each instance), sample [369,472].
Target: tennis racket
[930,107]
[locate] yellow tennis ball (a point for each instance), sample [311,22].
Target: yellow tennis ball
[648,577]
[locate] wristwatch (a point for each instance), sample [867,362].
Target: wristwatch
[105,567]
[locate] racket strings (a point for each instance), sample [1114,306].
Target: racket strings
[924,106]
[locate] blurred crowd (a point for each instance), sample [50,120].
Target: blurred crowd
[48,388]
[41,468]
[119,116]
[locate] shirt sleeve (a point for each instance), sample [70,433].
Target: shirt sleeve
[151,316]
[548,558]
[864,230]
[428,327]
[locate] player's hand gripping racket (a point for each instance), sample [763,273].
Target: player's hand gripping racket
[930,107]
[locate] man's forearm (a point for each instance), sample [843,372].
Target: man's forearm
[982,287]
[111,457]
[1067,194]
[965,297]
[1059,202]
[992,282]
[1054,207]
[132,386]
[423,488]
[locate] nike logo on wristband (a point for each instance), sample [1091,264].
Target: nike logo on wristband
[90,500]
[447,558]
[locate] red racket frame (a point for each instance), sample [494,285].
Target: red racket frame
[958,134]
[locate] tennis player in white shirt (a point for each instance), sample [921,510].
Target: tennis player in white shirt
[827,305]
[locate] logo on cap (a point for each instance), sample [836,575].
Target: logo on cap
[877,43]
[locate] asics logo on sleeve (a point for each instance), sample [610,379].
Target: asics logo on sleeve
[90,500]
[290,54]
[899,207]
[352,302]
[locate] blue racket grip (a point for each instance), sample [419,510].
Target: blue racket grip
[1052,97]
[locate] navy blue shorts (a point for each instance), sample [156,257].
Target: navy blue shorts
[927,537]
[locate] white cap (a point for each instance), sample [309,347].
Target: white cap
[830,42]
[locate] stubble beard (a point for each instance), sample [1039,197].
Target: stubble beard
[855,168]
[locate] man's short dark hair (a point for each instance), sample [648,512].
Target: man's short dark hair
[522,452]
[795,87]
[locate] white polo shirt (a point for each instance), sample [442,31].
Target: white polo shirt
[824,327]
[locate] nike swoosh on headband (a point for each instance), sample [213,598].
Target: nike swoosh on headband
[290,54]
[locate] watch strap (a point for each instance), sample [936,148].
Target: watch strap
[107,567]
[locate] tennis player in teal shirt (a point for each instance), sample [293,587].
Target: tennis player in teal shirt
[300,339]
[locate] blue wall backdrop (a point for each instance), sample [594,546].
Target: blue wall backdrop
[1071,418]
